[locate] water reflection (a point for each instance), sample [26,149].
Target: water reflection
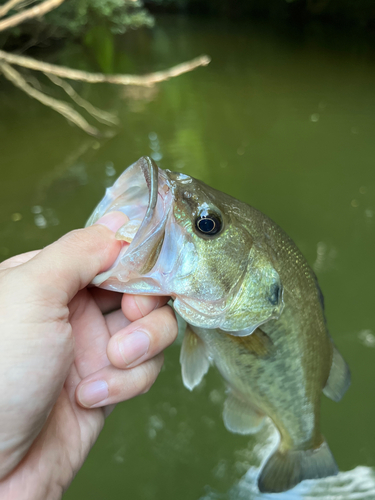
[325,257]
[71,171]
[367,338]
[154,145]
[137,98]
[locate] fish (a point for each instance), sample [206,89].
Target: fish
[252,304]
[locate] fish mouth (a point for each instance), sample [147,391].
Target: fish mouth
[159,255]
[144,193]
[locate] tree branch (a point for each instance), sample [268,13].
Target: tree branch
[4,9]
[98,114]
[61,107]
[37,11]
[84,76]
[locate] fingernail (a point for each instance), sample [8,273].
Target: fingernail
[93,392]
[134,346]
[146,303]
[113,220]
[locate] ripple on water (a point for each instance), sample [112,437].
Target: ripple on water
[356,484]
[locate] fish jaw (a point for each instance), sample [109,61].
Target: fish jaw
[129,194]
[163,254]
[159,256]
[144,194]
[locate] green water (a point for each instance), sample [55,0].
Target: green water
[283,121]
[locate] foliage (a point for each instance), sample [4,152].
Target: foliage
[79,16]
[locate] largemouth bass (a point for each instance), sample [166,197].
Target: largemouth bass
[252,304]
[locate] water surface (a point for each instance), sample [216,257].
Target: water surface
[283,121]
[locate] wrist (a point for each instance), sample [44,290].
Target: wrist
[35,478]
[31,487]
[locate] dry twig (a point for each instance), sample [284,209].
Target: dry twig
[61,107]
[4,9]
[98,114]
[85,76]
[26,15]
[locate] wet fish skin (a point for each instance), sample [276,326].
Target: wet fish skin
[284,379]
[233,266]
[254,309]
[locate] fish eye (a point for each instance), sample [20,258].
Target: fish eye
[208,224]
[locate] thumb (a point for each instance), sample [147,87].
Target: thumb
[71,262]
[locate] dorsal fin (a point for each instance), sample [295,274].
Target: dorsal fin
[193,359]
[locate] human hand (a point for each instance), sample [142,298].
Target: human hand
[67,352]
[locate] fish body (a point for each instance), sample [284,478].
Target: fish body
[252,303]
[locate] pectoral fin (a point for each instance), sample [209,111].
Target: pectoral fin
[258,344]
[240,417]
[193,359]
[339,377]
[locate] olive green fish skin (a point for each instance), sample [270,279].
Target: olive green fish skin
[235,269]
[285,377]
[286,382]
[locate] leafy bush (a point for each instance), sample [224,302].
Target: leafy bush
[79,16]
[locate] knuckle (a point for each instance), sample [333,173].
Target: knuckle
[146,389]
[149,375]
[151,370]
[160,361]
[89,238]
[73,237]
[170,324]
[124,385]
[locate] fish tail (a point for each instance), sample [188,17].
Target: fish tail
[285,469]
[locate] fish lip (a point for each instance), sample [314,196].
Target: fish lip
[153,177]
[151,174]
[157,202]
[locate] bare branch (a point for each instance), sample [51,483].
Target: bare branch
[36,11]
[84,76]
[61,107]
[98,114]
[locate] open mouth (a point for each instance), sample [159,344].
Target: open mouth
[144,194]
[158,256]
